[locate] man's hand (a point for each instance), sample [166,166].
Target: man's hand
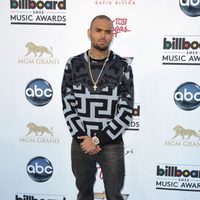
[88,146]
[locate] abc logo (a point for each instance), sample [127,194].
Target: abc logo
[39,92]
[190,7]
[187,96]
[39,169]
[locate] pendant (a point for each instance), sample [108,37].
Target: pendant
[95,87]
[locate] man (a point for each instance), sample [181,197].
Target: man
[97,94]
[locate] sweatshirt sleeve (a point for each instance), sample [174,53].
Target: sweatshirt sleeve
[123,118]
[72,118]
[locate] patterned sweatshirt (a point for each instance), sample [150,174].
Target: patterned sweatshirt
[105,112]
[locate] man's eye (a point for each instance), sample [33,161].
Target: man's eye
[108,32]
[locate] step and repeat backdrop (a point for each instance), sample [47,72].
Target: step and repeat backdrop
[161,40]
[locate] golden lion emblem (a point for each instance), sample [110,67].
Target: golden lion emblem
[185,133]
[32,48]
[33,128]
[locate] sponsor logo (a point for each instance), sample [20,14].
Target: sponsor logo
[34,12]
[184,137]
[38,54]
[120,26]
[39,134]
[181,50]
[102,195]
[178,177]
[187,96]
[115,2]
[190,7]
[135,124]
[39,169]
[39,92]
[21,196]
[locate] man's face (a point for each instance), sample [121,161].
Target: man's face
[101,34]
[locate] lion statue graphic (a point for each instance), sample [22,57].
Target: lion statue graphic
[35,49]
[185,133]
[38,130]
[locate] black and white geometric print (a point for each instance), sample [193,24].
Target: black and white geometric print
[106,112]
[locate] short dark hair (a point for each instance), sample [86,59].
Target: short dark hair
[100,17]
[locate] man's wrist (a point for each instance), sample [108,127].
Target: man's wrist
[95,140]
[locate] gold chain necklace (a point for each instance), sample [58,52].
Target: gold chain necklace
[89,66]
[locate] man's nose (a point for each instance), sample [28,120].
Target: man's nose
[103,34]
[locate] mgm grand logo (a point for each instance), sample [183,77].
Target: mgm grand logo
[39,134]
[184,137]
[38,54]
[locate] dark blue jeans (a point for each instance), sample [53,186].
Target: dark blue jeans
[111,161]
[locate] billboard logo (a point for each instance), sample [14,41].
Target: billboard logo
[187,96]
[174,171]
[178,177]
[30,4]
[190,7]
[39,169]
[135,124]
[39,92]
[180,44]
[181,50]
[34,12]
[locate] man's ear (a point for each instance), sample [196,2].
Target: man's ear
[88,33]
